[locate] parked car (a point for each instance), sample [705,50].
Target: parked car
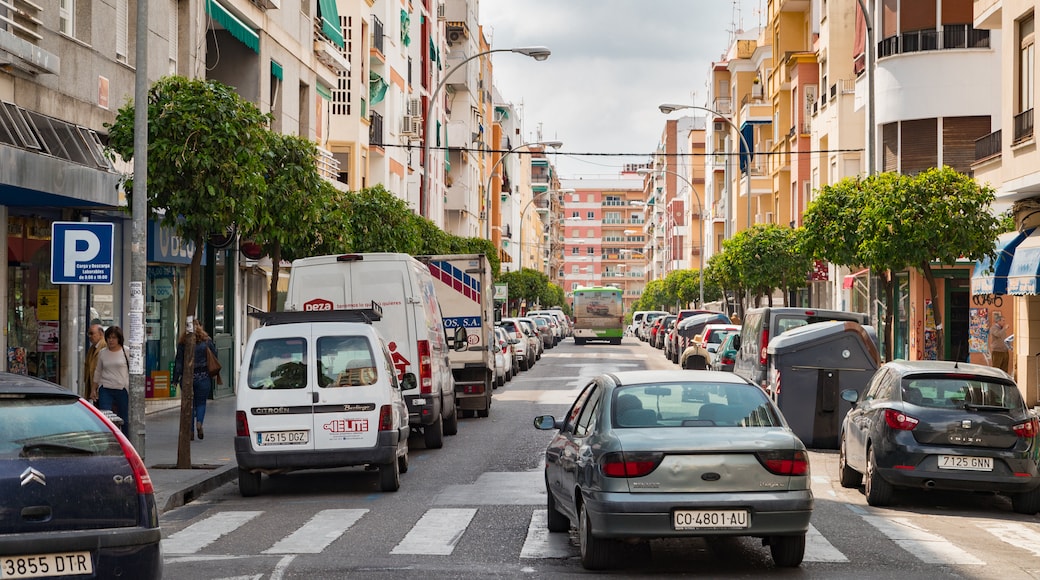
[525,353]
[77,499]
[534,336]
[545,330]
[723,358]
[705,344]
[940,425]
[643,331]
[503,356]
[659,329]
[333,370]
[666,454]
[558,320]
[508,347]
[691,326]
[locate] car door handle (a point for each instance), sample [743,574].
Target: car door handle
[314,398]
[36,513]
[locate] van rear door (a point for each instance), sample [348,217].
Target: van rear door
[280,400]
[349,392]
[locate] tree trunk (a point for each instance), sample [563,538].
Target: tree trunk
[187,371]
[888,285]
[940,342]
[276,259]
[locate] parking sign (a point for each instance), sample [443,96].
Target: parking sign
[81,252]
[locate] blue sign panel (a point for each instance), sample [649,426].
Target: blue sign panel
[462,321]
[82,252]
[165,246]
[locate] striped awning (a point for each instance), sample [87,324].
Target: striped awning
[1024,274]
[991,276]
[235,27]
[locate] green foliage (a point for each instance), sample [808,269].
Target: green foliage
[379,221]
[764,258]
[525,285]
[654,297]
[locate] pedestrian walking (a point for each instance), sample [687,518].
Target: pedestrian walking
[201,381]
[998,349]
[112,377]
[96,342]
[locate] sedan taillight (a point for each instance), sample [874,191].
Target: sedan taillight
[1027,430]
[142,480]
[632,464]
[784,462]
[899,420]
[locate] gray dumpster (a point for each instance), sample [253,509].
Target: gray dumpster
[810,365]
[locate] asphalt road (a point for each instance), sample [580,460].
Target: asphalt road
[476,508]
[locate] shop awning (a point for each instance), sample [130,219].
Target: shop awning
[1024,275]
[276,70]
[235,27]
[991,276]
[849,280]
[330,21]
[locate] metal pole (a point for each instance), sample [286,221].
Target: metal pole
[491,175]
[868,18]
[139,241]
[700,213]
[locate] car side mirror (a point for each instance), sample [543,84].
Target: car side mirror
[850,395]
[546,423]
[736,342]
[461,339]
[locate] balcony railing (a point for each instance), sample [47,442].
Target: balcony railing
[988,146]
[1024,126]
[375,129]
[952,36]
[328,166]
[377,34]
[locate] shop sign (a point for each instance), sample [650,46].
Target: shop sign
[164,245]
[82,252]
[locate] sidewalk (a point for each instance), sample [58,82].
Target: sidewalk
[213,458]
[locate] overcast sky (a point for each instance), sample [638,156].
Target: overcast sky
[613,62]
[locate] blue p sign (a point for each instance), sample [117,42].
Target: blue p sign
[81,252]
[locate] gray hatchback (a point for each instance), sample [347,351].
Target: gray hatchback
[663,454]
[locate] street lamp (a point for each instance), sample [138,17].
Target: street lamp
[700,213]
[670,108]
[527,206]
[491,175]
[538,53]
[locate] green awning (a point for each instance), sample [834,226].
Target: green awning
[502,112]
[323,91]
[406,21]
[276,70]
[435,55]
[330,21]
[235,27]
[376,88]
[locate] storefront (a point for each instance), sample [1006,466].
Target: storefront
[33,314]
[165,293]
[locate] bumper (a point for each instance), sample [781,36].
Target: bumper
[648,516]
[919,467]
[422,409]
[128,553]
[385,451]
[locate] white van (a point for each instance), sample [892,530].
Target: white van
[319,390]
[403,287]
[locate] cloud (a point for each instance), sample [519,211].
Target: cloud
[612,63]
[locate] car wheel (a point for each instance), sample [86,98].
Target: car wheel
[847,476]
[1026,503]
[595,552]
[433,435]
[451,424]
[787,551]
[879,491]
[248,483]
[390,476]
[579,341]
[402,462]
[557,522]
[615,341]
[523,365]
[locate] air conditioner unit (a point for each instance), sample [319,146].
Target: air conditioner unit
[455,36]
[411,125]
[415,107]
[441,11]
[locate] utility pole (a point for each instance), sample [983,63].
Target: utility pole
[139,241]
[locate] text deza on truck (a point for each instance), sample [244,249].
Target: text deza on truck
[465,293]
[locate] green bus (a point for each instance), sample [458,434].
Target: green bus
[598,314]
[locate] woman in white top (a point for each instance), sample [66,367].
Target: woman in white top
[112,377]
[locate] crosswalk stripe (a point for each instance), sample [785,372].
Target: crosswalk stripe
[542,544]
[926,546]
[318,533]
[203,533]
[1018,535]
[437,532]
[818,549]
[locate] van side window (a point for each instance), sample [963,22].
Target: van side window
[278,363]
[346,361]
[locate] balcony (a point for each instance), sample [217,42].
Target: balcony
[375,129]
[988,146]
[952,36]
[20,30]
[1023,126]
[328,166]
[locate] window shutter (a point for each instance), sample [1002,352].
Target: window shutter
[122,29]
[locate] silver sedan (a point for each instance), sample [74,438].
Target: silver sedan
[657,454]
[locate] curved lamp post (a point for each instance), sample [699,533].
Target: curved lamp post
[669,108]
[491,175]
[700,212]
[538,53]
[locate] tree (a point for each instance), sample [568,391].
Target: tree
[379,221]
[206,147]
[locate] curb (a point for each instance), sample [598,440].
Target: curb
[218,477]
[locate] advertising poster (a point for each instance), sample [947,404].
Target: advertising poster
[47,305]
[47,337]
[978,330]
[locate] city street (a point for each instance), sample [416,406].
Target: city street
[476,509]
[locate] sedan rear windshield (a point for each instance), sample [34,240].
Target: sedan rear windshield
[965,392]
[44,427]
[694,404]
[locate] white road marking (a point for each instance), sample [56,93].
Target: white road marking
[498,488]
[924,545]
[281,567]
[818,549]
[203,533]
[436,533]
[542,544]
[544,397]
[314,536]
[1018,535]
